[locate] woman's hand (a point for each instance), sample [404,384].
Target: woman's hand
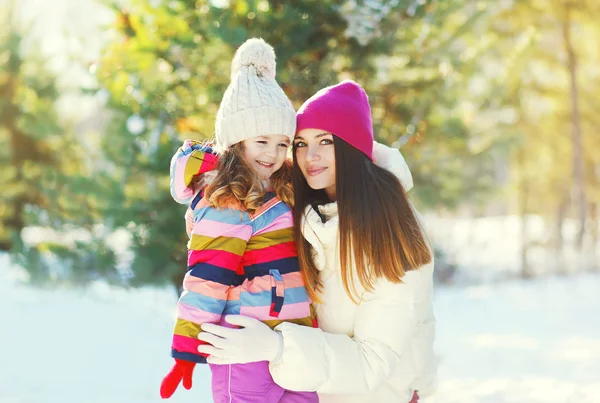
[254,342]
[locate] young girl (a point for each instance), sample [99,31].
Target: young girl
[367,263]
[242,257]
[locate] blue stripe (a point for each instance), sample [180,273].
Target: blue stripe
[263,298]
[232,308]
[285,265]
[214,273]
[206,303]
[223,276]
[227,216]
[278,303]
[276,275]
[268,217]
[188,357]
[196,199]
[195,147]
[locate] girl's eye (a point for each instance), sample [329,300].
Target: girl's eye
[299,144]
[261,142]
[284,145]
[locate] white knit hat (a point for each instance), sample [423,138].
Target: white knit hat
[253,104]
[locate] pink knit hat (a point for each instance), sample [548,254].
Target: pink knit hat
[343,110]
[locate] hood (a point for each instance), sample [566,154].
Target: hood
[391,159]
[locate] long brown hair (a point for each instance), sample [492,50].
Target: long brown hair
[379,234]
[236,185]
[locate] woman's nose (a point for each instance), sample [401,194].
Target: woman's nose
[312,154]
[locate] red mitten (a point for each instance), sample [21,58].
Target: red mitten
[182,370]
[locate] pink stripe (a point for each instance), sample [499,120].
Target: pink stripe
[293,280]
[265,207]
[271,253]
[220,258]
[186,344]
[202,203]
[182,191]
[234,293]
[216,229]
[283,221]
[263,283]
[205,287]
[209,162]
[196,315]
[290,311]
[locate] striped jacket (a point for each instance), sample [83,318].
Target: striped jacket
[238,263]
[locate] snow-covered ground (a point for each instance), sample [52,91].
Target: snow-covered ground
[517,342]
[100,345]
[520,342]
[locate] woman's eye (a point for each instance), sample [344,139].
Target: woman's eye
[326,141]
[299,144]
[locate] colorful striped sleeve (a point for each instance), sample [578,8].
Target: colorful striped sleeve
[218,241]
[189,162]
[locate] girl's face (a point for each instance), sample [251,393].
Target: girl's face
[266,154]
[315,155]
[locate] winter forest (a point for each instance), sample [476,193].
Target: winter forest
[490,102]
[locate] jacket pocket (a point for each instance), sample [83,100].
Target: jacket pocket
[277,292]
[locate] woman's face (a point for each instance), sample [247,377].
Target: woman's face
[315,155]
[266,154]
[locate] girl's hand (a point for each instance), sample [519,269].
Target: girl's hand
[181,371]
[254,342]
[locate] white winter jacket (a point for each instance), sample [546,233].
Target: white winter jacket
[380,350]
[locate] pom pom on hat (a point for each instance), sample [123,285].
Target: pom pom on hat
[257,53]
[253,104]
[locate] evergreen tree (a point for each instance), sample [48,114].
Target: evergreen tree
[45,181]
[30,135]
[166,76]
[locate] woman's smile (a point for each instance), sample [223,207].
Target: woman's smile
[314,171]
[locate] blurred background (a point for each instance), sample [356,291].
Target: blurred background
[491,102]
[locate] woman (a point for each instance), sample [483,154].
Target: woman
[366,261]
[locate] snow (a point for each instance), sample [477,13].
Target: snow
[520,341]
[534,341]
[99,345]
